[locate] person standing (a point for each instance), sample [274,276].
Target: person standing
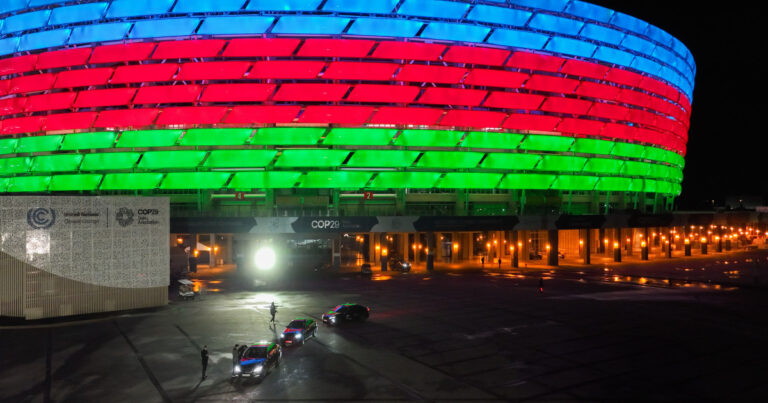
[482,260]
[204,358]
[235,358]
[499,263]
[272,311]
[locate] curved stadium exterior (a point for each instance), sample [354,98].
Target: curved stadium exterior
[438,107]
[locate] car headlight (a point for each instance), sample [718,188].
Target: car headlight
[298,335]
[237,369]
[282,335]
[258,368]
[333,319]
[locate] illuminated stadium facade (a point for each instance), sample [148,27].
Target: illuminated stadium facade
[344,107]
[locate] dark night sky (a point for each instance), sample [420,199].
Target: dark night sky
[724,154]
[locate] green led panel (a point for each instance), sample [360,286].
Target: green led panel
[664,187]
[239,158]
[527,181]
[592,146]
[8,146]
[509,161]
[288,135]
[336,179]
[674,158]
[171,159]
[56,163]
[216,137]
[109,161]
[659,171]
[628,150]
[14,165]
[614,184]
[131,181]
[474,180]
[655,154]
[634,168]
[400,180]
[148,138]
[449,159]
[28,184]
[382,158]
[429,138]
[562,163]
[311,158]
[603,165]
[36,144]
[62,183]
[575,182]
[492,140]
[4,184]
[650,186]
[360,137]
[86,141]
[676,189]
[546,143]
[264,180]
[195,180]
[676,174]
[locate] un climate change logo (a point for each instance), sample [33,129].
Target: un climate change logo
[124,216]
[41,218]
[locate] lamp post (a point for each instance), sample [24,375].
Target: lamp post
[687,247]
[616,252]
[703,245]
[643,250]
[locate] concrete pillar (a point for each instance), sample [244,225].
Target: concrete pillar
[455,252]
[514,239]
[211,251]
[587,248]
[336,250]
[371,248]
[403,245]
[601,240]
[552,253]
[431,252]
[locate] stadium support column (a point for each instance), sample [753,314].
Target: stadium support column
[336,244]
[212,250]
[431,252]
[587,247]
[455,247]
[552,254]
[516,250]
[601,240]
[403,248]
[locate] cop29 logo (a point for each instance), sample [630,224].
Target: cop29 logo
[124,216]
[41,218]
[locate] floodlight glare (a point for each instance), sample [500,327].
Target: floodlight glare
[265,258]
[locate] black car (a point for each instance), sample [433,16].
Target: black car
[346,313]
[298,331]
[399,264]
[257,360]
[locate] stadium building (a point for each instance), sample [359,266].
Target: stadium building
[398,122]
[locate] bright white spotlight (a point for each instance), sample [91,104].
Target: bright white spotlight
[265,258]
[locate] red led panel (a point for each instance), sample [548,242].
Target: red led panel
[286,69]
[619,131]
[83,77]
[595,90]
[672,94]
[634,98]
[335,48]
[580,126]
[566,105]
[408,51]
[464,118]
[12,106]
[512,100]
[383,93]
[431,74]
[122,52]
[261,47]
[670,125]
[406,116]
[608,111]
[143,73]
[685,103]
[48,102]
[641,116]
[126,118]
[360,71]
[625,77]
[531,122]
[5,85]
[584,69]
[452,96]
[63,121]
[20,64]
[651,136]
[237,92]
[655,86]
[63,58]
[476,55]
[533,61]
[113,96]
[551,84]
[496,78]
[21,125]
[262,114]
[201,115]
[213,70]
[188,49]
[167,94]
[33,83]
[311,92]
[350,115]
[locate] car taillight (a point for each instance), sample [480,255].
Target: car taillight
[369,309]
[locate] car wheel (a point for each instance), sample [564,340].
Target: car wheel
[314,333]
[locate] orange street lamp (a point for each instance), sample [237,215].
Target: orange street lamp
[179,240]
[455,246]
[384,252]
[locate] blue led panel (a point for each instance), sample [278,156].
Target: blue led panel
[547,22]
[499,15]
[12,5]
[518,39]
[164,27]
[590,11]
[361,6]
[433,8]
[235,25]
[35,3]
[99,33]
[8,46]
[553,5]
[44,39]
[602,34]
[646,65]
[82,12]
[455,32]
[385,26]
[571,46]
[310,25]
[637,44]
[283,5]
[203,6]
[629,22]
[133,8]
[23,22]
[613,56]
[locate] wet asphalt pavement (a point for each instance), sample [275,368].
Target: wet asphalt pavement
[593,334]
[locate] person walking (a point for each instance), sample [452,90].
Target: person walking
[482,260]
[204,358]
[272,311]
[235,358]
[499,263]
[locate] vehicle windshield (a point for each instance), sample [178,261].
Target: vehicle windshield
[296,324]
[255,352]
